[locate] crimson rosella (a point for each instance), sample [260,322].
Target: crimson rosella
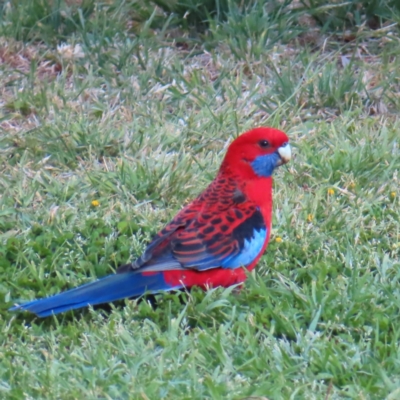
[211,242]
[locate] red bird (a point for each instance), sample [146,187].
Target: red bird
[209,241]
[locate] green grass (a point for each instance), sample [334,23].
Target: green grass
[139,120]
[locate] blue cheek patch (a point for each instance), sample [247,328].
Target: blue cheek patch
[264,165]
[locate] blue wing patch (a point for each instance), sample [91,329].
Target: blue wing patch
[251,249]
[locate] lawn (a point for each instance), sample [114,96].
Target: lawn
[113,115]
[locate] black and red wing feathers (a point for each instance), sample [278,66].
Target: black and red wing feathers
[210,232]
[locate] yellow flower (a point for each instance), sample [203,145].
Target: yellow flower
[331,192]
[95,203]
[392,195]
[278,240]
[310,217]
[352,185]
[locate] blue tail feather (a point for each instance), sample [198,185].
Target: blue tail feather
[110,288]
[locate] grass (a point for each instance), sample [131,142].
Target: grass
[103,140]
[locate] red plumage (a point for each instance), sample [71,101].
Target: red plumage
[209,241]
[206,225]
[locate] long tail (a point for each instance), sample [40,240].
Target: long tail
[110,288]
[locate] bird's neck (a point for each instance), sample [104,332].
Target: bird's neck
[260,192]
[257,190]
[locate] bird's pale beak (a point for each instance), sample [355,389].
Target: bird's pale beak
[285,154]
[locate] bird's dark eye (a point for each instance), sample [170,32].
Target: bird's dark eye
[264,143]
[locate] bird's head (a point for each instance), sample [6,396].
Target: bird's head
[258,152]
